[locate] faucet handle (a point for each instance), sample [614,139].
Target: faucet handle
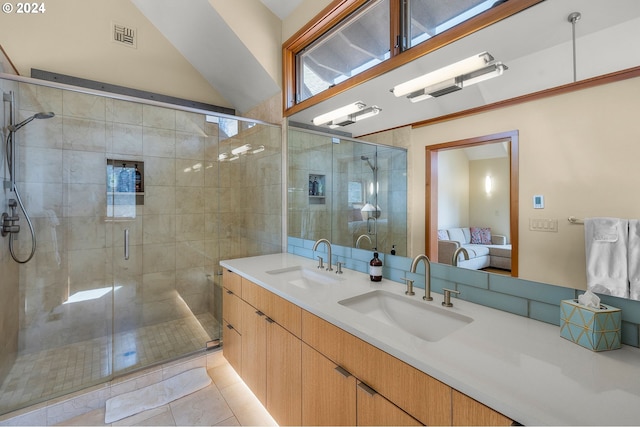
[447,297]
[409,282]
[320,264]
[338,267]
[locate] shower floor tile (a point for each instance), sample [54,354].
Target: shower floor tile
[46,374]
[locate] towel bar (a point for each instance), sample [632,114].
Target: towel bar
[574,220]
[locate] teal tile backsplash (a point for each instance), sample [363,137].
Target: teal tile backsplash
[538,301]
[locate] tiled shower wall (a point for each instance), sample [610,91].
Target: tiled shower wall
[177,237]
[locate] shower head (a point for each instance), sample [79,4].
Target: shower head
[366,159]
[14,128]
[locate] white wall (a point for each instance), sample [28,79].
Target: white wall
[580,150]
[73,37]
[490,210]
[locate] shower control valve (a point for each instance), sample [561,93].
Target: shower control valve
[8,225]
[8,222]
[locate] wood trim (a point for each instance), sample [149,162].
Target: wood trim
[616,76]
[338,10]
[431,196]
[8,61]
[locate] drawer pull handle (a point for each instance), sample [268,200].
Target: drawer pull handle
[259,313]
[270,320]
[369,390]
[342,371]
[229,326]
[229,292]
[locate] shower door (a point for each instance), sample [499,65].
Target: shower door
[159,192]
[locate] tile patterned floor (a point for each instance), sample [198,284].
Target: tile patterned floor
[227,401]
[48,373]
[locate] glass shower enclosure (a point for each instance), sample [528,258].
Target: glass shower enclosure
[133,205]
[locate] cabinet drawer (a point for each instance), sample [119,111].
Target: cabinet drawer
[428,400]
[232,309]
[286,314]
[231,281]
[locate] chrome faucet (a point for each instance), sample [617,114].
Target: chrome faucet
[363,236]
[454,259]
[427,274]
[326,242]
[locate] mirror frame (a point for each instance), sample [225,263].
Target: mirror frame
[431,196]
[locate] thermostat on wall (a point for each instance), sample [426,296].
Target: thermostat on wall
[538,201]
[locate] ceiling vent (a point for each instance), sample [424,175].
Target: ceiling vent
[124,35]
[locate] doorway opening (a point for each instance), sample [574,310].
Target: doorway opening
[510,139]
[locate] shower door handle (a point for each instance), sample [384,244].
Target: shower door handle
[126,243]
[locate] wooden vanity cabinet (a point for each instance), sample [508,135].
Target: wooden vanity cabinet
[469,412]
[271,353]
[307,371]
[423,397]
[331,395]
[328,391]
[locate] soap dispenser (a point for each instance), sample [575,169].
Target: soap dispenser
[375,268]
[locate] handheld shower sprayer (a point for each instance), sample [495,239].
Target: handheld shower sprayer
[14,128]
[9,225]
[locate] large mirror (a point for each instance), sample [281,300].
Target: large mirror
[577,132]
[352,192]
[472,199]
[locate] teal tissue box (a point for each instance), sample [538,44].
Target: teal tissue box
[592,328]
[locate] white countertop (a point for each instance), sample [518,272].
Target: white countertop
[515,365]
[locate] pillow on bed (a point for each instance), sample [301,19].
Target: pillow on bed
[443,235]
[480,236]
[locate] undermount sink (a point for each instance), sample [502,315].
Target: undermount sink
[420,319]
[305,278]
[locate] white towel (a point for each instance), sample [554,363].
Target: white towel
[634,258]
[606,249]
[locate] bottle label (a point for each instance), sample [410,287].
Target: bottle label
[375,270]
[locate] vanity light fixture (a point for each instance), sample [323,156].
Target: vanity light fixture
[486,73]
[329,117]
[451,78]
[355,117]
[260,149]
[241,150]
[223,156]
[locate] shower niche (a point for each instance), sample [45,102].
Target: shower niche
[317,189]
[125,187]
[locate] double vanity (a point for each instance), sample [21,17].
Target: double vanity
[322,348]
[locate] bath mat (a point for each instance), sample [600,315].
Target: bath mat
[155,395]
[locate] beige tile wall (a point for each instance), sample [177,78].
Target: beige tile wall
[175,236]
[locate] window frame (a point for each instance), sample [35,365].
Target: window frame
[338,10]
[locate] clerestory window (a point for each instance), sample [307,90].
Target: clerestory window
[355,45]
[354,40]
